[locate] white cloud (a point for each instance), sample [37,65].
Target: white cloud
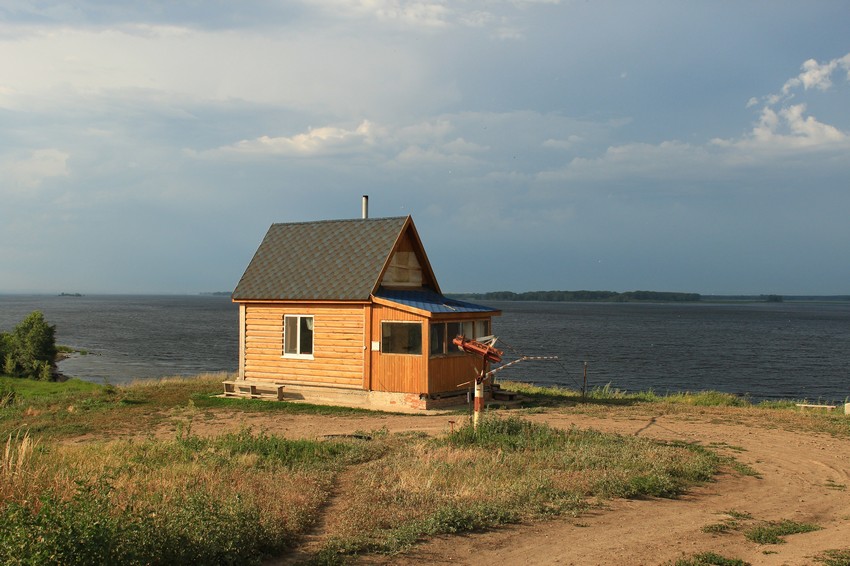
[569,143]
[23,173]
[435,15]
[425,142]
[787,129]
[784,127]
[407,13]
[814,75]
[327,140]
[817,75]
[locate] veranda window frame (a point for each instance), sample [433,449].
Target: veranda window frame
[401,322]
[450,349]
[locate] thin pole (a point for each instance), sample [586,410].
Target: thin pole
[584,386]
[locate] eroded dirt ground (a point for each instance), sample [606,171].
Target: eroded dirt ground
[801,476]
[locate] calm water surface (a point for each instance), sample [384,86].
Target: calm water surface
[766,350]
[136,337]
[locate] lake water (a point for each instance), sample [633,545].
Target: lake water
[766,350]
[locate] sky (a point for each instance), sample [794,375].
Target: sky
[694,146]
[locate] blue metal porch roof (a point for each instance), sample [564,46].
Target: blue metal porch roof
[432,302]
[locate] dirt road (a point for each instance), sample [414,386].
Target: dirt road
[801,476]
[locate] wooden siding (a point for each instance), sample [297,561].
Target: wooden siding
[338,345]
[446,373]
[401,373]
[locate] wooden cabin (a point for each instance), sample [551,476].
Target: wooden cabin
[349,312]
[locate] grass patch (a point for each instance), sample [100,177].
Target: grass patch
[68,350]
[745,469]
[709,559]
[506,471]
[72,408]
[727,446]
[772,532]
[835,557]
[26,389]
[719,407]
[608,394]
[732,523]
[233,499]
[720,528]
[205,400]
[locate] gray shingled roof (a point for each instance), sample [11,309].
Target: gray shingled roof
[328,260]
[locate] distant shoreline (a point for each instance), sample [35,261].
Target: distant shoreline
[584,296]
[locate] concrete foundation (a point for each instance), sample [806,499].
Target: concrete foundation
[358,398]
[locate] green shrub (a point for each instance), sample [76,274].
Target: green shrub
[9,364]
[30,349]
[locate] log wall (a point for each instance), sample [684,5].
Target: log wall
[338,345]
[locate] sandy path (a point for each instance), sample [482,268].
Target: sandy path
[804,477]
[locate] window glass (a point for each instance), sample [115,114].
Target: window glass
[482,328]
[401,338]
[452,331]
[437,339]
[306,335]
[467,328]
[298,335]
[290,335]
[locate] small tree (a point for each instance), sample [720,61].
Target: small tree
[30,348]
[4,352]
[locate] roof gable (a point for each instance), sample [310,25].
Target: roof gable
[407,266]
[341,260]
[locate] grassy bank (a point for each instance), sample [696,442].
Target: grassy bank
[613,396]
[83,480]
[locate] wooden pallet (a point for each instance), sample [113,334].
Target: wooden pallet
[253,389]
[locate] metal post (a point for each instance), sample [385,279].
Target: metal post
[478,404]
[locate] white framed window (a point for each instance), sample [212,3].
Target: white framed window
[401,338]
[298,336]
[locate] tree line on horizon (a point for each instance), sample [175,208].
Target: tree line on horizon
[582,296]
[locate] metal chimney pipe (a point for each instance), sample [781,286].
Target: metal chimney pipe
[365,207]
